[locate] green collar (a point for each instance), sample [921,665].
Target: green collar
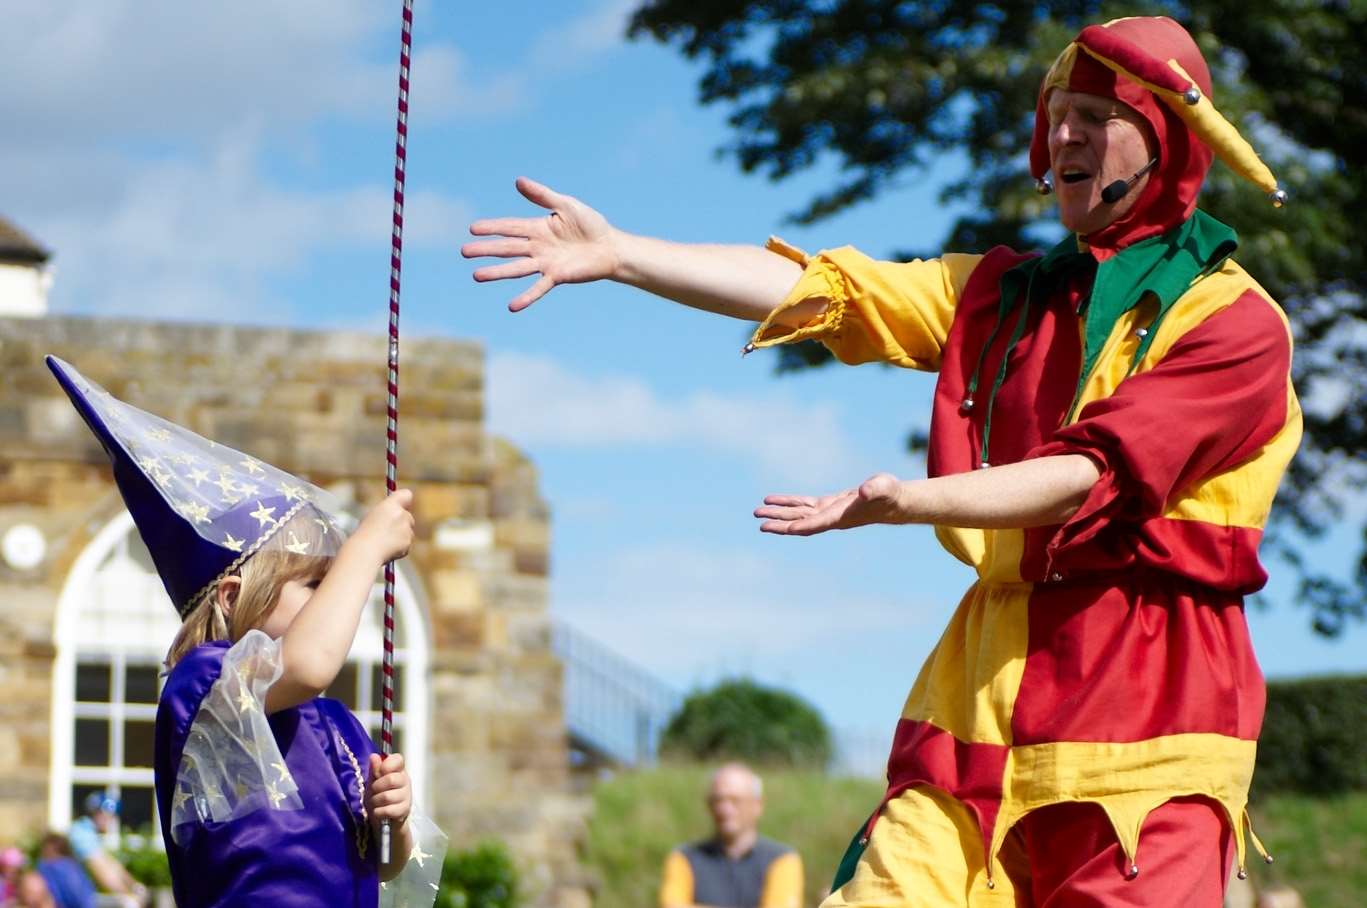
[1164,266]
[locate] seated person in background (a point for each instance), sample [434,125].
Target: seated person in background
[67,884]
[736,867]
[32,892]
[11,867]
[87,845]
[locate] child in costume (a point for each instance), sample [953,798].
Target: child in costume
[267,792]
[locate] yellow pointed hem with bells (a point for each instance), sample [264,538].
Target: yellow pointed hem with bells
[1129,780]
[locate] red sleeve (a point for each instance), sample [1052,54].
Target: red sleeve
[1216,397]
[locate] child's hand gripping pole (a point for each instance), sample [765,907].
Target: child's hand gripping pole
[392,427]
[389,799]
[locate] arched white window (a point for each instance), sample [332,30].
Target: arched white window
[114,624]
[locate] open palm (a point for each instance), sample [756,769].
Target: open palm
[876,500]
[570,245]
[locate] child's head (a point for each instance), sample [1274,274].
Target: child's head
[266,591]
[53,846]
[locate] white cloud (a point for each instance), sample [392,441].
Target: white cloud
[536,401]
[683,609]
[148,132]
[190,72]
[640,147]
[189,238]
[558,50]
[146,136]
[125,68]
[578,41]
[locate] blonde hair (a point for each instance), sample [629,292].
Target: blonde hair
[262,578]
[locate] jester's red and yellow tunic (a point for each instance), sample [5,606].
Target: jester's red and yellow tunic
[1106,660]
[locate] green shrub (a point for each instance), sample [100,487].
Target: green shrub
[742,720]
[481,877]
[147,864]
[1314,737]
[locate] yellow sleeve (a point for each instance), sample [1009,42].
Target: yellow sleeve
[894,312]
[783,883]
[676,884]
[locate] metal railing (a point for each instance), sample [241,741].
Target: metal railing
[614,709]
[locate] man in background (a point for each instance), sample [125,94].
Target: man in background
[87,845]
[736,867]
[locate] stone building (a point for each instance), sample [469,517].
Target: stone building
[84,621]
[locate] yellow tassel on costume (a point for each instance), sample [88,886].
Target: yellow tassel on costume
[1217,132]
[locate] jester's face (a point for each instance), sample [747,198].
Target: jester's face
[1094,141]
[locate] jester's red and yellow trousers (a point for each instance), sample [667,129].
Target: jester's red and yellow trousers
[1084,732]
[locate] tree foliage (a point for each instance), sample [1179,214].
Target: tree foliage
[742,720]
[886,87]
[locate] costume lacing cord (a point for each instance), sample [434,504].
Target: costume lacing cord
[972,388]
[984,460]
[1008,300]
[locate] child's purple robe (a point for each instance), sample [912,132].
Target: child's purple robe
[276,857]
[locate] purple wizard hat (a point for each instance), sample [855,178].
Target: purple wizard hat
[201,508]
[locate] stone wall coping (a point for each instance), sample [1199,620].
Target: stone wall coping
[191,337]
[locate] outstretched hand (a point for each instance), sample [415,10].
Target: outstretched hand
[879,499]
[572,244]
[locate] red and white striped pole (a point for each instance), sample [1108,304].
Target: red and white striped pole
[392,425]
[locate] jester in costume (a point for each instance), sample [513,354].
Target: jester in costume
[1109,427]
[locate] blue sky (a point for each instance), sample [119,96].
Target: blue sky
[232,160]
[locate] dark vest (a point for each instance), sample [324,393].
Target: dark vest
[726,883]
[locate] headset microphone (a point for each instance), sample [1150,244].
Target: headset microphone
[1116,191]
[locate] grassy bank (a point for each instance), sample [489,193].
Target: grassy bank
[1320,843]
[1320,846]
[639,817]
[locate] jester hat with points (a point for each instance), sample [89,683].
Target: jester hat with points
[202,509]
[1152,64]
